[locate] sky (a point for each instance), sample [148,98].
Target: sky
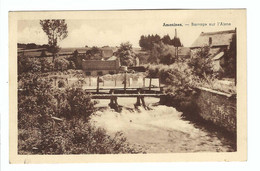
[111,32]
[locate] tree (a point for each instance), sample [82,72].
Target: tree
[56,30]
[176,43]
[201,63]
[230,60]
[94,54]
[162,53]
[166,39]
[126,54]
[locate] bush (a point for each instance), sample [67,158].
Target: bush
[61,64]
[73,136]
[163,54]
[61,84]
[46,65]
[28,64]
[178,79]
[39,132]
[201,63]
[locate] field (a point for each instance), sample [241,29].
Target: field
[66,51]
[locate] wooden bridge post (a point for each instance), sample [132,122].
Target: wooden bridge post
[113,101]
[143,102]
[150,84]
[97,84]
[125,83]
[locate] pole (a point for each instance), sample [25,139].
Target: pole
[97,84]
[150,84]
[125,83]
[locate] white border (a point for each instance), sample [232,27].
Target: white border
[253,76]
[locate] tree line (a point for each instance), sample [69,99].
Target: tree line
[147,42]
[31,46]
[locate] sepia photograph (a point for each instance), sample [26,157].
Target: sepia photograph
[144,84]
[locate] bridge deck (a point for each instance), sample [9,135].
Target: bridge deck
[108,96]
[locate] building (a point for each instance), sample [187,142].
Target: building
[219,43]
[100,67]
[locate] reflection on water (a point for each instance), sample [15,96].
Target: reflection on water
[160,130]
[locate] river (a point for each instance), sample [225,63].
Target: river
[159,130]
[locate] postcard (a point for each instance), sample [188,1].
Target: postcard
[127,86]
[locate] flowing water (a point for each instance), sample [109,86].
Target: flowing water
[160,130]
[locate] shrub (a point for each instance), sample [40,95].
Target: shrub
[61,83]
[201,63]
[46,65]
[61,64]
[40,133]
[28,64]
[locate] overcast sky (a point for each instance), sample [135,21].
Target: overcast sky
[111,32]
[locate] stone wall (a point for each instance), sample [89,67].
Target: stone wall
[217,107]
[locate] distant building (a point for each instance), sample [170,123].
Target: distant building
[219,43]
[100,67]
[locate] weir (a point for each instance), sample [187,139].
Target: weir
[139,93]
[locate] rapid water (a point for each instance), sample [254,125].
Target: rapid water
[160,130]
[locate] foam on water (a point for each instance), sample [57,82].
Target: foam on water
[161,129]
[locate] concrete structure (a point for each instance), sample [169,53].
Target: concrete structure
[218,108]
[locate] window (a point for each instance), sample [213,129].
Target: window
[111,72]
[88,73]
[100,73]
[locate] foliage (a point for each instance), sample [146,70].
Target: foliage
[146,42]
[161,53]
[201,63]
[229,64]
[61,64]
[28,64]
[73,60]
[93,54]
[56,30]
[61,84]
[176,42]
[178,80]
[126,54]
[31,46]
[166,39]
[56,121]
[46,65]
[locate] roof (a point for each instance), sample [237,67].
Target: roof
[100,65]
[220,38]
